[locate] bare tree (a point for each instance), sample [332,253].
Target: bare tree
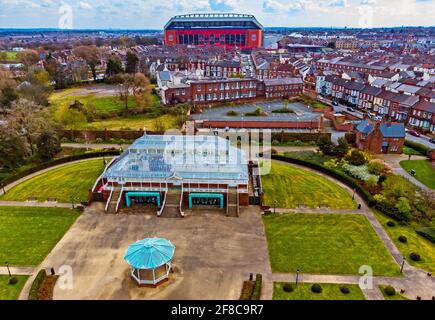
[125,89]
[92,56]
[28,57]
[141,91]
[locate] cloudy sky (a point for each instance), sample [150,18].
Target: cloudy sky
[144,14]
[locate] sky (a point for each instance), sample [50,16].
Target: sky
[152,14]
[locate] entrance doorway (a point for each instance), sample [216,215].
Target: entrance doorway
[206,199]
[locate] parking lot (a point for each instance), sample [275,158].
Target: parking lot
[302,113]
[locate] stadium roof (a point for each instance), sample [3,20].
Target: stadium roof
[213,21]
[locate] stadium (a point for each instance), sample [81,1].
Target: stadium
[224,29]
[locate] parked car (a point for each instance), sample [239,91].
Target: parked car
[350,109]
[414,133]
[432,140]
[335,103]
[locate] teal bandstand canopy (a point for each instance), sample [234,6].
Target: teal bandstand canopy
[150,260]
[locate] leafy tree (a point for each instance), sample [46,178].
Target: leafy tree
[356,157]
[36,87]
[114,67]
[13,147]
[92,56]
[404,208]
[28,58]
[48,144]
[342,147]
[8,92]
[326,146]
[132,62]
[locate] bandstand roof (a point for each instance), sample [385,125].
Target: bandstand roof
[149,253]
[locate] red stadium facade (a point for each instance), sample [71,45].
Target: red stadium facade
[229,30]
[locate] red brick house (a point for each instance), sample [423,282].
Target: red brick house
[378,137]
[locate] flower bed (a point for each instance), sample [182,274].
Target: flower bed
[360,172]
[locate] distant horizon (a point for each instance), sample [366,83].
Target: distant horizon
[161,30]
[151,15]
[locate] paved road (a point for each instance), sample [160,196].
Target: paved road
[422,140]
[342,108]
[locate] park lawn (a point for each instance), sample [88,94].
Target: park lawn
[287,186]
[105,106]
[30,233]
[397,296]
[325,244]
[11,56]
[425,172]
[11,291]
[411,151]
[66,183]
[329,292]
[134,122]
[415,243]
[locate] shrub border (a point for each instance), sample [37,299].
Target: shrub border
[256,294]
[36,285]
[56,162]
[350,182]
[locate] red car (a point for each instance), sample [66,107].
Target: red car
[414,133]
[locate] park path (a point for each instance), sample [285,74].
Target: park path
[27,271]
[394,161]
[35,204]
[415,281]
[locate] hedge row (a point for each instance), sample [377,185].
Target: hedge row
[36,285]
[59,161]
[256,294]
[247,290]
[418,147]
[428,233]
[350,182]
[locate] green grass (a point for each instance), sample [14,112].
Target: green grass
[11,291]
[415,243]
[411,151]
[11,56]
[288,186]
[325,244]
[425,171]
[397,296]
[30,233]
[63,183]
[109,111]
[133,123]
[329,292]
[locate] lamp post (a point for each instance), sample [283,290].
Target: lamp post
[274,206]
[7,267]
[297,277]
[403,264]
[353,194]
